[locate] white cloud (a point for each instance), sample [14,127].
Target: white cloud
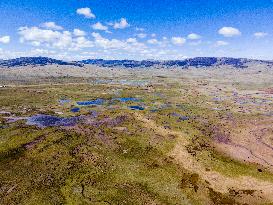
[121,24]
[51,25]
[229,32]
[55,39]
[64,40]
[99,26]
[141,35]
[86,12]
[39,52]
[5,39]
[260,34]
[221,43]
[82,42]
[131,40]
[37,36]
[78,32]
[6,54]
[194,36]
[129,45]
[106,43]
[178,40]
[153,35]
[153,41]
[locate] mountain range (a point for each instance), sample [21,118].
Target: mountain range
[35,61]
[191,62]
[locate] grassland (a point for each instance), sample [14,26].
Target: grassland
[204,136]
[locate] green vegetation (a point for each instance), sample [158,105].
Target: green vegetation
[106,160]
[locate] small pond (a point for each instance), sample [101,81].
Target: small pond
[92,102]
[51,121]
[136,107]
[75,109]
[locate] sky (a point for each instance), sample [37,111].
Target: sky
[136,29]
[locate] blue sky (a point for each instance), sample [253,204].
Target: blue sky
[136,29]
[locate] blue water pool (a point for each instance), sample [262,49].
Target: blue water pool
[75,109]
[136,107]
[92,102]
[51,121]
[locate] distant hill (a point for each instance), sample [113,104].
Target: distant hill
[192,62]
[35,61]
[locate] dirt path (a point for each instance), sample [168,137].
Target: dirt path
[217,181]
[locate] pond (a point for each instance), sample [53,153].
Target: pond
[92,102]
[75,109]
[51,121]
[136,107]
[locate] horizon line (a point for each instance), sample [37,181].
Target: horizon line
[182,59]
